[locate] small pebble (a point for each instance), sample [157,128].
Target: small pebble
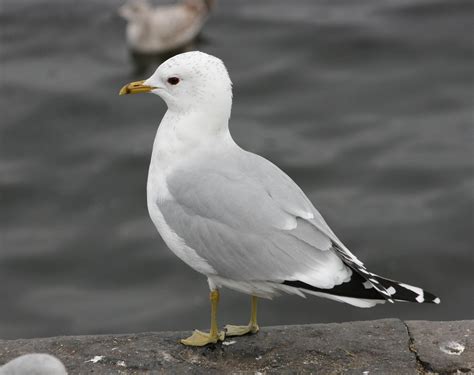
[452,347]
[227,343]
[96,359]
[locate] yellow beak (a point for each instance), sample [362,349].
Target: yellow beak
[135,88]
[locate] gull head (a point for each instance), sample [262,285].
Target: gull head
[189,82]
[135,10]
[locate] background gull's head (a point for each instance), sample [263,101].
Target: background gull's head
[135,10]
[193,81]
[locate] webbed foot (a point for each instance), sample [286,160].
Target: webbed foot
[231,330]
[199,338]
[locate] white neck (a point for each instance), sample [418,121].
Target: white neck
[180,134]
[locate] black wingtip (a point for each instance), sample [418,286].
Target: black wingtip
[392,290]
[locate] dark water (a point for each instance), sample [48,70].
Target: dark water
[368,105]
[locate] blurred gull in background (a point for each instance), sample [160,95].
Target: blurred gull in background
[156,30]
[34,364]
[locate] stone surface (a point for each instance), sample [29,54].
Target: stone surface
[443,347]
[379,347]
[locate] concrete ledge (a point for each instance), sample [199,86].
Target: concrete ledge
[377,347]
[443,347]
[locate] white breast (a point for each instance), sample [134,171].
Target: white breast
[157,192]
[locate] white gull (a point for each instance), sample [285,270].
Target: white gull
[233,215]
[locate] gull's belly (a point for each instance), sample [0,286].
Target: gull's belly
[157,192]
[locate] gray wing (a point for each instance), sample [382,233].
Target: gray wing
[250,221]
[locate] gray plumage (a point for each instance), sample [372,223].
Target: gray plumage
[250,221]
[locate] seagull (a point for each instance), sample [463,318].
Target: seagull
[163,28]
[233,215]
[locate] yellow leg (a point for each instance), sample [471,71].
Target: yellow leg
[199,338]
[252,327]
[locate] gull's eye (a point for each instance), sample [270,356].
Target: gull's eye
[173,80]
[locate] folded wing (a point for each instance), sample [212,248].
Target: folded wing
[251,222]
